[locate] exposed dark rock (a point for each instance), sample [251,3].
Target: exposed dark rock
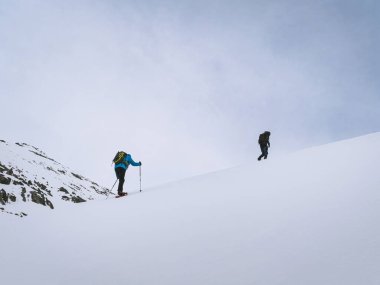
[10,171]
[40,185]
[101,190]
[51,169]
[22,180]
[3,141]
[63,190]
[74,187]
[77,176]
[19,144]
[39,198]
[5,180]
[61,171]
[31,146]
[35,188]
[49,203]
[3,168]
[16,176]
[23,191]
[12,197]
[21,214]
[3,197]
[77,199]
[6,197]
[65,198]
[30,183]
[42,155]
[17,182]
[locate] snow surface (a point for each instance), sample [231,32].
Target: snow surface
[308,218]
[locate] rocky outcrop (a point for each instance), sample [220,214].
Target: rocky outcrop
[39,198]
[6,197]
[62,189]
[77,176]
[5,180]
[77,199]
[23,194]
[12,197]
[70,197]
[3,197]
[28,175]
[15,182]
[3,168]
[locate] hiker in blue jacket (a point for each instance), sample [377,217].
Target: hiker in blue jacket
[121,166]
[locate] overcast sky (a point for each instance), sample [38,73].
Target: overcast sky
[185,86]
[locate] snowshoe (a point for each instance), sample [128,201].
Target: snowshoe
[122,194]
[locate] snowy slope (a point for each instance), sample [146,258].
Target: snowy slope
[308,218]
[29,179]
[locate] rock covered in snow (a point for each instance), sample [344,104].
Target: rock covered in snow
[28,175]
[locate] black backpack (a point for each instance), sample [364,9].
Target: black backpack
[119,157]
[264,138]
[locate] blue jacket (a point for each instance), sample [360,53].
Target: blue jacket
[127,161]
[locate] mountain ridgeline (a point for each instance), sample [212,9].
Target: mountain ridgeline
[29,179]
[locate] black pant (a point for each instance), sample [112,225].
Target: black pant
[120,174]
[264,151]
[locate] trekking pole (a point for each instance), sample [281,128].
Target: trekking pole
[140,177]
[112,187]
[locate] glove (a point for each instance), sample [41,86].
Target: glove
[140,163]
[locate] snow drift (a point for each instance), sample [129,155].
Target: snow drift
[311,217]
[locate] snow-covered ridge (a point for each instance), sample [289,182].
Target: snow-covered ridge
[309,218]
[30,176]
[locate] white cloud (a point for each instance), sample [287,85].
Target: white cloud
[186,86]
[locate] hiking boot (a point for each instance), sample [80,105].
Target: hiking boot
[122,193]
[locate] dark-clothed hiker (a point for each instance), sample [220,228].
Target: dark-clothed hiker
[264,145]
[122,160]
